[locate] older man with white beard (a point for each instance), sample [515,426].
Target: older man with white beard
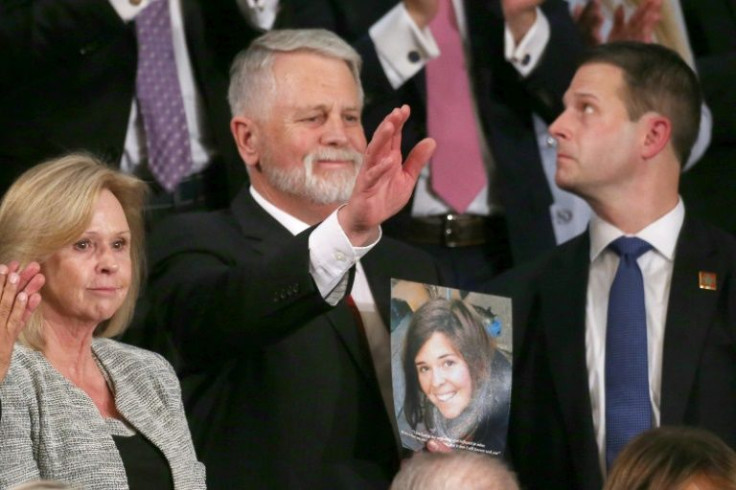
[279,306]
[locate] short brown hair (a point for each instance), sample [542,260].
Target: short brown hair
[668,457]
[50,205]
[656,79]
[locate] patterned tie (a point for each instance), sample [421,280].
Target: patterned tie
[159,97]
[458,173]
[628,409]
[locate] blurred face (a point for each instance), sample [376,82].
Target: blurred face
[444,375]
[313,142]
[597,142]
[87,281]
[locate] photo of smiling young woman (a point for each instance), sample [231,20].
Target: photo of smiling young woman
[457,382]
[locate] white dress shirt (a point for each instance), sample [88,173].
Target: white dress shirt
[656,267]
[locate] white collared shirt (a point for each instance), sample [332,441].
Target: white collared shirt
[656,267]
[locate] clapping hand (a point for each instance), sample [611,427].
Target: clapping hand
[640,26]
[19,297]
[589,20]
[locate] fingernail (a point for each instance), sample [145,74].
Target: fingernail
[3,269]
[13,278]
[22,296]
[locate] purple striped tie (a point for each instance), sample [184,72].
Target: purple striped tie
[159,97]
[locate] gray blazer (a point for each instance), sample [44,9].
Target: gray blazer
[51,429]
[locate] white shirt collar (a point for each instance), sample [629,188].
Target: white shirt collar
[294,225]
[661,234]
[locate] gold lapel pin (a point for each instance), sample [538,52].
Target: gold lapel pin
[707,280]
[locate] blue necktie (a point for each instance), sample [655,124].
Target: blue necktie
[628,409]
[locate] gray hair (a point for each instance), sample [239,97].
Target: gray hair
[251,75]
[458,469]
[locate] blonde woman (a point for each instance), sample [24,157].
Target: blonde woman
[79,407]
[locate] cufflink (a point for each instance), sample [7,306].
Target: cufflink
[414,56]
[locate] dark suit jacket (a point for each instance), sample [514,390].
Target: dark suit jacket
[279,386]
[710,187]
[711,27]
[505,101]
[70,68]
[551,437]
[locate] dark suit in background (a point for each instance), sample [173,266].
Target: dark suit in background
[710,187]
[505,102]
[279,386]
[70,69]
[551,437]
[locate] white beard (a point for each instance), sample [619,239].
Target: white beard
[334,186]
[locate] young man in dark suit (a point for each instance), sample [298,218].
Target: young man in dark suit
[280,305]
[631,116]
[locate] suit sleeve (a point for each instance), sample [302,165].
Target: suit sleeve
[711,26]
[38,34]
[549,80]
[219,299]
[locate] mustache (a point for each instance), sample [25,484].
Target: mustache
[335,155]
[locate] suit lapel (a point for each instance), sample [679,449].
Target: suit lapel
[563,295]
[374,266]
[265,233]
[690,313]
[256,225]
[354,340]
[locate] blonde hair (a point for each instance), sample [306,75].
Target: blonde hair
[50,205]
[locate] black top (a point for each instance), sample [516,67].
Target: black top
[145,465]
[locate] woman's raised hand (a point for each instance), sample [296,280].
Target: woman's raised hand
[19,297]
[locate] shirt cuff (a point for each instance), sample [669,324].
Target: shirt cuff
[527,54]
[331,256]
[261,14]
[127,10]
[402,47]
